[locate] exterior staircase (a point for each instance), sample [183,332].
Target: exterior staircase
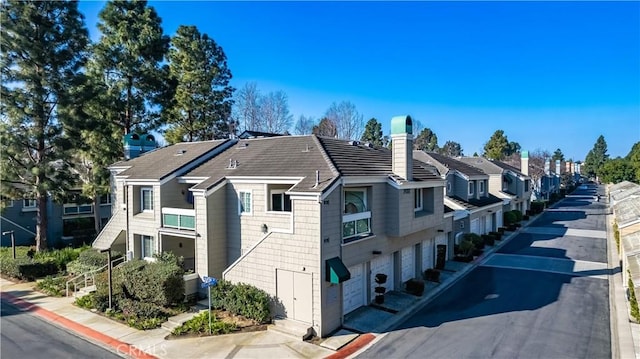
[178,320]
[292,328]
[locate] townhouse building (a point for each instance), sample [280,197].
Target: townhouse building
[467,193]
[509,183]
[310,220]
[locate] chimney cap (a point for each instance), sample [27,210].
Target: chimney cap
[401,125]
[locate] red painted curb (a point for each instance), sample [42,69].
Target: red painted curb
[120,346]
[359,343]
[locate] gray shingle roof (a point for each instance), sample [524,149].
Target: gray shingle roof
[631,243]
[301,157]
[627,211]
[490,166]
[281,156]
[356,159]
[162,162]
[508,167]
[628,191]
[476,203]
[622,186]
[445,163]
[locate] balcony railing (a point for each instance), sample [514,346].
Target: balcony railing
[179,218]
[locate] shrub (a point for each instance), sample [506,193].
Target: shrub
[61,257]
[146,323]
[86,301]
[200,325]
[466,247]
[489,240]
[509,218]
[616,235]
[633,301]
[53,286]
[414,286]
[477,241]
[160,283]
[242,299]
[517,214]
[140,310]
[35,269]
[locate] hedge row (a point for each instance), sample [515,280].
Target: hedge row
[30,265]
[242,299]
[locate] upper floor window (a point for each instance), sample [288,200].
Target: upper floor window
[471,188]
[244,199]
[280,202]
[29,203]
[105,199]
[146,195]
[481,190]
[417,199]
[356,221]
[527,185]
[73,208]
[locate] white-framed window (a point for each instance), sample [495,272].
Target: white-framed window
[280,202]
[146,199]
[105,199]
[148,246]
[356,220]
[244,202]
[471,188]
[417,199]
[481,184]
[29,203]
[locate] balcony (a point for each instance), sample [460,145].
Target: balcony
[179,218]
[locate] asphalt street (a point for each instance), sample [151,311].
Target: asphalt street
[543,295]
[24,335]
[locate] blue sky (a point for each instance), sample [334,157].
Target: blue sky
[550,74]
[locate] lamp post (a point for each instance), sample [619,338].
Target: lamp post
[13,242]
[108,250]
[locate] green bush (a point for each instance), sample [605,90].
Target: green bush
[53,286]
[200,325]
[633,301]
[242,299]
[86,301]
[518,215]
[477,241]
[509,218]
[141,310]
[61,257]
[616,235]
[160,283]
[466,247]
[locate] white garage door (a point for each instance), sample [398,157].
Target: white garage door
[382,264]
[408,264]
[353,290]
[428,252]
[488,227]
[499,218]
[475,226]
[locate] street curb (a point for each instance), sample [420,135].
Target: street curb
[359,343]
[120,346]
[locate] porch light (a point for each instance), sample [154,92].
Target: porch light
[264,228]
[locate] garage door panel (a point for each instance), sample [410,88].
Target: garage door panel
[384,265]
[408,263]
[353,290]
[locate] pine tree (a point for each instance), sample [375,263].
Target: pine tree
[373,133]
[595,158]
[557,155]
[128,59]
[451,149]
[201,104]
[43,51]
[426,141]
[498,147]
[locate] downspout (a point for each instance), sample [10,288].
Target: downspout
[126,215]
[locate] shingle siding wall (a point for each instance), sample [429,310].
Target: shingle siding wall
[174,195]
[331,239]
[495,184]
[143,223]
[203,229]
[216,232]
[461,187]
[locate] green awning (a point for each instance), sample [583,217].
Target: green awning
[336,271]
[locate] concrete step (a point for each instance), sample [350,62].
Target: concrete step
[84,291]
[178,320]
[292,328]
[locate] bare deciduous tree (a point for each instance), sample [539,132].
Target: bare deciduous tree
[349,122]
[274,112]
[304,125]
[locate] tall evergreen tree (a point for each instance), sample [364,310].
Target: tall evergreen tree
[557,155]
[498,147]
[43,51]
[201,104]
[634,159]
[128,59]
[373,133]
[595,158]
[426,141]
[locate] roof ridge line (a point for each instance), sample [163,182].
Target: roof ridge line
[326,156]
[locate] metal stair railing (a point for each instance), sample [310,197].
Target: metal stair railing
[89,278]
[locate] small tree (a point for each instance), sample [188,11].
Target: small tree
[427,140]
[373,133]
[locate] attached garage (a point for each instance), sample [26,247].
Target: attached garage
[353,292]
[488,227]
[428,253]
[408,259]
[499,218]
[475,226]
[384,265]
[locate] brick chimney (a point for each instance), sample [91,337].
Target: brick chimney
[402,146]
[524,162]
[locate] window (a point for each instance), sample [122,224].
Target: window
[146,195]
[280,202]
[72,208]
[105,199]
[417,199]
[29,203]
[245,202]
[356,221]
[448,187]
[527,185]
[148,246]
[481,183]
[470,188]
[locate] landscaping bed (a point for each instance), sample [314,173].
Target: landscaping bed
[223,322]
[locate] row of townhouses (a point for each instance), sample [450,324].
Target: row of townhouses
[311,220]
[624,199]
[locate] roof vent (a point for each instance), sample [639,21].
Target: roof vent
[369,144]
[244,145]
[353,143]
[180,152]
[306,148]
[232,163]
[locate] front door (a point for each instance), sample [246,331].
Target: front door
[295,291]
